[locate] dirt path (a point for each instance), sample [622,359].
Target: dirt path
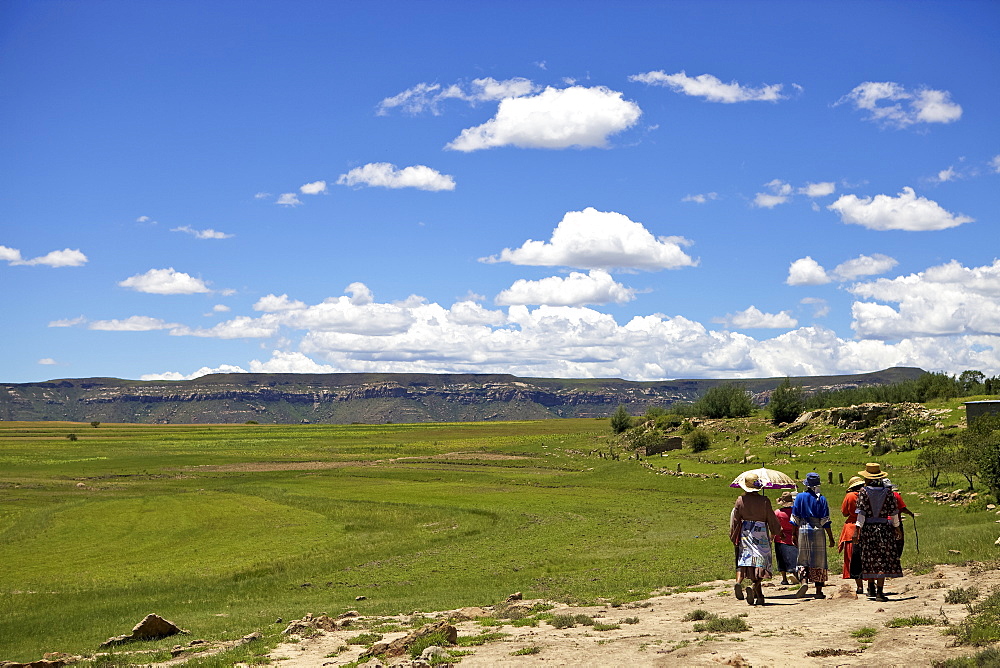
[245,467]
[781,632]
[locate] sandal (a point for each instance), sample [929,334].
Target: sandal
[738,591]
[802,591]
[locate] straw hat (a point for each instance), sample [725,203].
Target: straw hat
[786,499]
[751,483]
[872,472]
[855,482]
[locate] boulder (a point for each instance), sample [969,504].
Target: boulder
[152,627]
[401,646]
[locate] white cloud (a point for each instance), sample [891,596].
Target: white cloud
[820,307]
[906,211]
[11,255]
[221,308]
[597,287]
[821,189]
[754,318]
[995,164]
[68,322]
[555,119]
[202,234]
[142,219]
[203,371]
[946,175]
[710,87]
[273,304]
[944,300]
[807,271]
[314,188]
[700,198]
[290,362]
[61,258]
[592,239]
[135,323]
[780,193]
[360,294]
[262,195]
[386,175]
[864,265]
[428,97]
[288,199]
[891,104]
[240,327]
[165,282]
[48,361]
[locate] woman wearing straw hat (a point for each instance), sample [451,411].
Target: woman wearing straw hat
[752,523]
[785,543]
[811,514]
[877,532]
[851,551]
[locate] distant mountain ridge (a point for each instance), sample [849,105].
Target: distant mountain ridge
[344,398]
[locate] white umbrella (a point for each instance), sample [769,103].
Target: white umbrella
[769,479]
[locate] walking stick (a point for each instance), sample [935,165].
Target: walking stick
[916,536]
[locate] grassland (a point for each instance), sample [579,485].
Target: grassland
[224,529]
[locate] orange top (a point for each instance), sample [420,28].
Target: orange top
[849,508]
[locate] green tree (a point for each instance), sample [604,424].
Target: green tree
[698,440]
[725,401]
[786,402]
[95,424]
[980,444]
[620,420]
[936,457]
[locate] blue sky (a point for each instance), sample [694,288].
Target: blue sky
[555,189]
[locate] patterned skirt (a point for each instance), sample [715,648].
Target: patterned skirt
[879,552]
[754,558]
[812,565]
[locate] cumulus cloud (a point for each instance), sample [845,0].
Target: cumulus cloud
[592,239]
[700,198]
[425,97]
[288,199]
[577,289]
[221,308]
[290,362]
[555,119]
[995,164]
[203,371]
[48,361]
[202,234]
[807,271]
[60,258]
[710,87]
[864,265]
[165,282]
[780,193]
[906,211]
[821,189]
[387,175]
[892,105]
[944,300]
[314,188]
[135,323]
[754,318]
[274,304]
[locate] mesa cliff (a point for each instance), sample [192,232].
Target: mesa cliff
[346,398]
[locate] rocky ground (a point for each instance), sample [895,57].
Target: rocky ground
[654,632]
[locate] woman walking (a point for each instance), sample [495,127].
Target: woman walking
[877,531]
[851,551]
[811,514]
[785,549]
[752,523]
[903,510]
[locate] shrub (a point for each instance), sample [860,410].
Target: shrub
[598,626]
[366,639]
[865,633]
[481,639]
[534,649]
[988,658]
[437,638]
[71,437]
[697,615]
[961,595]
[698,440]
[915,620]
[563,621]
[620,420]
[723,625]
[982,627]
[585,620]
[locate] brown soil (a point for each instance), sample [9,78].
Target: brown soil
[781,632]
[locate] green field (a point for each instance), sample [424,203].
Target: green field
[224,529]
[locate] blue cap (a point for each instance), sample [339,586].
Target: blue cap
[812,479]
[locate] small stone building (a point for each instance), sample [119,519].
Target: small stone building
[977,409]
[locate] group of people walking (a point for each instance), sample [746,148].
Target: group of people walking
[871,540]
